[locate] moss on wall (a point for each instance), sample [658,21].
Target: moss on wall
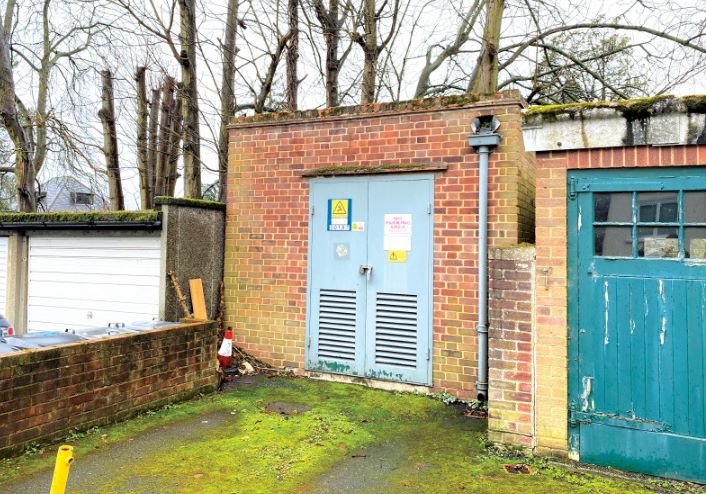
[631,109]
[327,171]
[192,203]
[81,217]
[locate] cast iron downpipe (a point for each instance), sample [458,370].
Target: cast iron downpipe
[483,140]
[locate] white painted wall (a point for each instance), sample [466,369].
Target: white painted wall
[3,274]
[88,281]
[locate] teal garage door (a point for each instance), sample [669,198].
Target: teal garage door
[370,269]
[637,296]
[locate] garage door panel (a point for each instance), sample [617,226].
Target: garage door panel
[637,302]
[89,292]
[116,255]
[94,266]
[83,281]
[95,304]
[123,242]
[63,318]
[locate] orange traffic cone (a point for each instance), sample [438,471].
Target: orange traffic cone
[225,353]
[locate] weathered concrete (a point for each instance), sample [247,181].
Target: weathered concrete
[658,121]
[17,279]
[193,241]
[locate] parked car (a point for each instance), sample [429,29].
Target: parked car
[6,328]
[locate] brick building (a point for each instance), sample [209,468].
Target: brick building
[388,162]
[621,217]
[352,248]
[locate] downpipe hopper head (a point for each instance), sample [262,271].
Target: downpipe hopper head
[484,132]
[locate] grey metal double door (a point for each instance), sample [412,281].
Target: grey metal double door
[370,277]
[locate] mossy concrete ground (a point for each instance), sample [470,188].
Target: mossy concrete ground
[302,436]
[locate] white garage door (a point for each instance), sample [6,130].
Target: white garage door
[3,274]
[88,281]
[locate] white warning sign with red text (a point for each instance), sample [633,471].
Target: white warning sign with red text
[398,232]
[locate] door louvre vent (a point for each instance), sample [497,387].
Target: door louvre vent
[396,329]
[337,318]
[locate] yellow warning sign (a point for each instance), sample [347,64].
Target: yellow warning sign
[339,208]
[396,256]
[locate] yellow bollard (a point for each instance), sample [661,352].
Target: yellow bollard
[61,470]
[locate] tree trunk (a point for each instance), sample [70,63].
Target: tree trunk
[190,109]
[174,140]
[227,96]
[485,75]
[162,164]
[332,34]
[293,56]
[110,143]
[153,144]
[370,53]
[24,168]
[142,122]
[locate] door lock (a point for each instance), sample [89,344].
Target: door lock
[366,270]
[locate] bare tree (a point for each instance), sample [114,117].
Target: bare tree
[484,79]
[227,95]
[191,134]
[293,56]
[24,166]
[110,142]
[331,20]
[153,144]
[162,162]
[436,55]
[370,44]
[174,140]
[54,43]
[142,140]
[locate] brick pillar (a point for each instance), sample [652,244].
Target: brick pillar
[511,379]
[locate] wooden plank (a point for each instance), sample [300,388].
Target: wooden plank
[198,301]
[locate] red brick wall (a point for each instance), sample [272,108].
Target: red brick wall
[267,220]
[47,392]
[551,270]
[510,338]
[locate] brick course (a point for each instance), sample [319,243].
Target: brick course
[510,346]
[267,215]
[47,392]
[551,271]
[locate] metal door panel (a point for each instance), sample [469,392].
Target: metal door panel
[398,322]
[375,323]
[336,289]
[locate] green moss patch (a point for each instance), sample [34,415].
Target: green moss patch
[631,109]
[192,203]
[415,105]
[80,217]
[329,171]
[341,435]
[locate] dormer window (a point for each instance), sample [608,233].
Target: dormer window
[82,198]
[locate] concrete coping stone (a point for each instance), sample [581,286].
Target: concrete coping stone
[513,253]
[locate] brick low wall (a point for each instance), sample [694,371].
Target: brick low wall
[510,316]
[47,392]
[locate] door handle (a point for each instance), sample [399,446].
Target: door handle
[367,270]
